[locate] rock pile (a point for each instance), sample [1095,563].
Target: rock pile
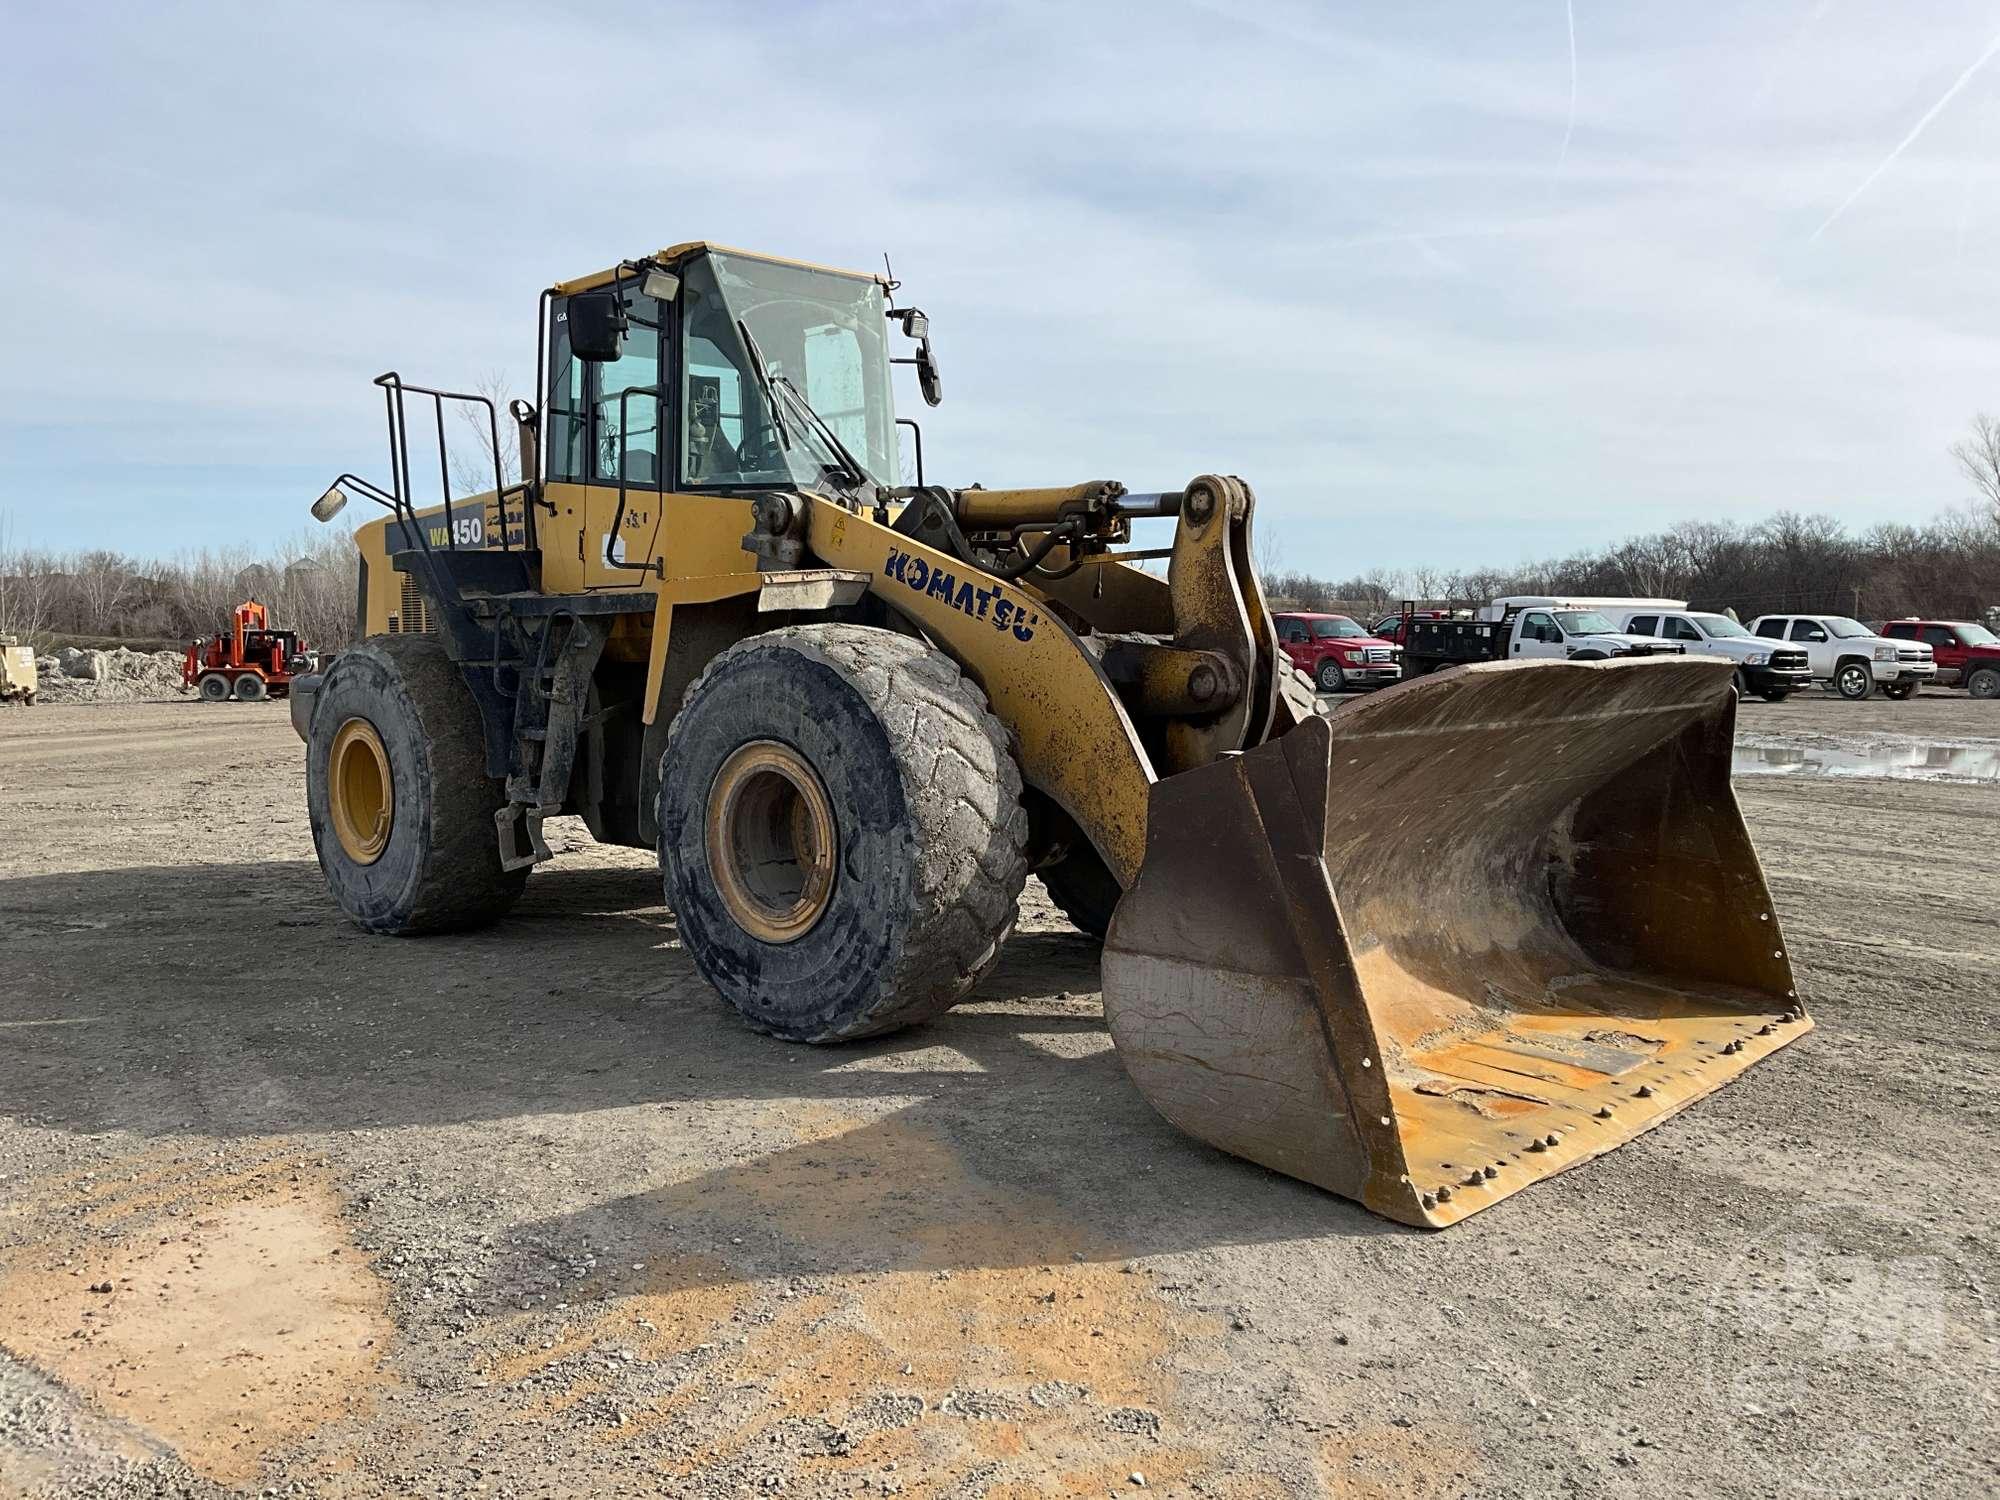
[117,676]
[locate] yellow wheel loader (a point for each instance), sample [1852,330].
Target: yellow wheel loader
[1422,951]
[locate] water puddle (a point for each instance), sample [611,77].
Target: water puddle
[1906,760]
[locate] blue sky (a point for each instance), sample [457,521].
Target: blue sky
[1442,295]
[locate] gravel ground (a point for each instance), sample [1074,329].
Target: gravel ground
[285,1209]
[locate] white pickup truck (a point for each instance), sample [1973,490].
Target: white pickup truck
[1771,670]
[1521,628]
[1850,658]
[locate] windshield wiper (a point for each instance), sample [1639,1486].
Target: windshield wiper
[764,382]
[824,430]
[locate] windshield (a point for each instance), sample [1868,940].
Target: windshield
[1842,628]
[821,341]
[1338,627]
[1719,626]
[1977,635]
[1584,622]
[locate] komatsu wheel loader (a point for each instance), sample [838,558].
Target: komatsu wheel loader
[852,714]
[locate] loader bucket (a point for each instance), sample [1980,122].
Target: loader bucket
[1456,937]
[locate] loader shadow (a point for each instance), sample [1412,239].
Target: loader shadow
[124,1011]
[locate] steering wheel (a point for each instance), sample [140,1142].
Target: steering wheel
[760,451]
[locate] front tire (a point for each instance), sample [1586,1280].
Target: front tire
[398,795]
[842,838]
[1084,890]
[1853,681]
[1774,695]
[1900,690]
[1330,678]
[1984,683]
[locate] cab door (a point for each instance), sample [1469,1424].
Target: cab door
[1297,641]
[1946,649]
[1537,634]
[628,432]
[601,420]
[1812,636]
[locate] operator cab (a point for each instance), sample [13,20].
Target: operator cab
[704,369]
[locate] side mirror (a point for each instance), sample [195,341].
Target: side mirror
[329,505]
[928,380]
[596,326]
[916,326]
[1816,635]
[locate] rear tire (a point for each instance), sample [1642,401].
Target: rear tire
[1084,890]
[249,688]
[213,688]
[842,838]
[407,839]
[1900,690]
[1853,681]
[1984,682]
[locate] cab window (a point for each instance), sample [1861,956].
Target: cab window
[625,406]
[1808,630]
[565,417]
[1937,635]
[1902,630]
[834,383]
[1771,629]
[1539,627]
[1641,624]
[1678,629]
[589,421]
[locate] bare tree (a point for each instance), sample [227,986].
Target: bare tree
[1979,460]
[471,457]
[104,583]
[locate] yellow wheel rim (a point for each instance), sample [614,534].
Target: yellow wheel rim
[360,791]
[770,839]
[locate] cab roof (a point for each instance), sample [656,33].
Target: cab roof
[687,250]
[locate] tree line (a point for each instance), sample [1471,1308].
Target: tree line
[104,597]
[1948,567]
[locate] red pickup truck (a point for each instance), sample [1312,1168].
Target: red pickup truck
[1337,653]
[1967,655]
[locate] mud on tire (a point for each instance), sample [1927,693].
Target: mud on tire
[439,870]
[928,831]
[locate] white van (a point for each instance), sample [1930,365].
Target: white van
[1772,671]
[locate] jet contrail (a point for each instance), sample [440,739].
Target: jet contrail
[1569,126]
[1904,144]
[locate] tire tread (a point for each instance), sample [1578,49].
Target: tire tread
[933,715]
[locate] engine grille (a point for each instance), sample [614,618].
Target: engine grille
[1792,661]
[1378,655]
[1910,653]
[415,617]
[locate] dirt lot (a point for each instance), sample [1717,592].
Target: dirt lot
[285,1209]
